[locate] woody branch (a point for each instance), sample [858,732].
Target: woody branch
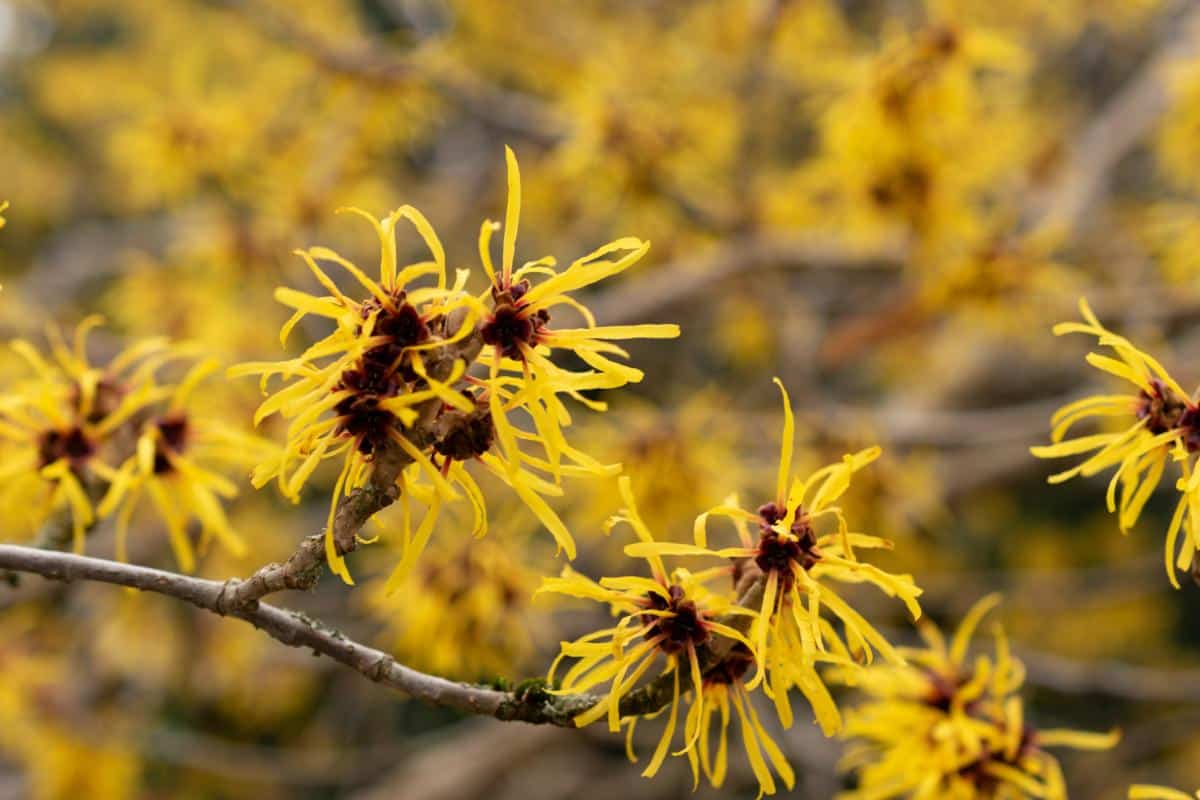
[531,704]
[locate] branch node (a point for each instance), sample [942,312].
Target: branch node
[381,667]
[225,602]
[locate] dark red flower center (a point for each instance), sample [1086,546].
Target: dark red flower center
[360,417]
[941,690]
[403,327]
[512,323]
[71,443]
[509,327]
[976,771]
[463,436]
[379,374]
[359,414]
[732,668]
[173,436]
[908,188]
[777,553]
[371,376]
[1163,410]
[683,626]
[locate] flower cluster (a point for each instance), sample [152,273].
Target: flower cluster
[799,558]
[93,440]
[943,726]
[690,626]
[1158,423]
[766,617]
[391,391]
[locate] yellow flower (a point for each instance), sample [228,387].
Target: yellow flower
[663,619]
[791,635]
[3,208]
[1142,791]
[59,430]
[993,280]
[724,687]
[520,340]
[361,370]
[1160,423]
[178,461]
[879,170]
[395,359]
[942,726]
[353,394]
[472,600]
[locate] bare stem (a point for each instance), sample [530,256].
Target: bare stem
[533,704]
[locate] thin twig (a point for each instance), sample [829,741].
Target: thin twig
[525,704]
[1112,678]
[371,63]
[930,427]
[680,280]
[1119,127]
[298,630]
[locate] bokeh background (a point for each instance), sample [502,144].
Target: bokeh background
[887,203]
